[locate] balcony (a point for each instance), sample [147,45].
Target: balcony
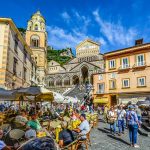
[139,65]
[124,67]
[100,92]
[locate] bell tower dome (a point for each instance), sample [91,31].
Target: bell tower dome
[36,38]
[37,23]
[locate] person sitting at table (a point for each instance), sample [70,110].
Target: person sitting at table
[3,146]
[66,135]
[34,123]
[73,116]
[84,127]
[22,119]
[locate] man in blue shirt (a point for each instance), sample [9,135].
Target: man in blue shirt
[133,125]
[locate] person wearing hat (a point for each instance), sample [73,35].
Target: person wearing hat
[133,125]
[84,127]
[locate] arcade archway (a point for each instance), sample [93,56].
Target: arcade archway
[75,80]
[84,71]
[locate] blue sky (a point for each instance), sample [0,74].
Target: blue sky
[114,23]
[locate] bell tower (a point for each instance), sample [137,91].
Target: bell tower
[36,38]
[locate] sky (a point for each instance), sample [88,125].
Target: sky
[115,24]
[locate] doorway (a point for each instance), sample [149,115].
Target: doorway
[84,71]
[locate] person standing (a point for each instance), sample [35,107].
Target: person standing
[121,113]
[138,112]
[112,116]
[133,125]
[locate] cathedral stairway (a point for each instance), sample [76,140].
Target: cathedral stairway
[77,91]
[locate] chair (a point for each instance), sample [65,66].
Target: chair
[86,141]
[16,135]
[6,129]
[71,146]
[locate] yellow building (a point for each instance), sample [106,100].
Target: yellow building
[126,77]
[17,69]
[36,38]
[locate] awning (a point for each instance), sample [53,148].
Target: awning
[101,100]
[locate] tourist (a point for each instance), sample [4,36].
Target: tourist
[112,117]
[105,113]
[34,123]
[84,127]
[66,135]
[121,114]
[138,112]
[133,125]
[22,119]
[3,146]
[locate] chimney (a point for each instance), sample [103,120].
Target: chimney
[139,42]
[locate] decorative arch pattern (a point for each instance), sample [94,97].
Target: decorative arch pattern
[51,82]
[59,81]
[67,80]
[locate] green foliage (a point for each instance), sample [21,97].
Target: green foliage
[55,55]
[22,30]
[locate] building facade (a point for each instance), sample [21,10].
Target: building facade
[36,38]
[126,77]
[17,69]
[78,70]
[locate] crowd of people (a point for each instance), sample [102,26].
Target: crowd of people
[30,117]
[124,117]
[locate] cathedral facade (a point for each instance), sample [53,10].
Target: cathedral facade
[78,70]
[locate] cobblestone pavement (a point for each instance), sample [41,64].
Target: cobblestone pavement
[102,139]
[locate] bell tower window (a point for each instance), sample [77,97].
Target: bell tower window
[36,27]
[35,41]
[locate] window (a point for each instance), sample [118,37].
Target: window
[36,27]
[35,41]
[112,84]
[141,81]
[25,56]
[125,63]
[16,46]
[140,60]
[112,64]
[101,88]
[113,75]
[15,66]
[51,82]
[25,73]
[100,77]
[125,83]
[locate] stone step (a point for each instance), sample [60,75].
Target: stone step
[145,127]
[142,132]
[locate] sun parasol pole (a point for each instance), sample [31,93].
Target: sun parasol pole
[35,103]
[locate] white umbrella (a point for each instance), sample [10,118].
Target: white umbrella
[58,98]
[69,99]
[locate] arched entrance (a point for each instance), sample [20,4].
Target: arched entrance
[84,71]
[75,80]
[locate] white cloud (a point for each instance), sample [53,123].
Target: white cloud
[115,33]
[60,38]
[65,16]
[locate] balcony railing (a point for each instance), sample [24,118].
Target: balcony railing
[125,66]
[139,64]
[100,92]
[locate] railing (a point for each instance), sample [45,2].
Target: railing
[139,64]
[125,66]
[100,92]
